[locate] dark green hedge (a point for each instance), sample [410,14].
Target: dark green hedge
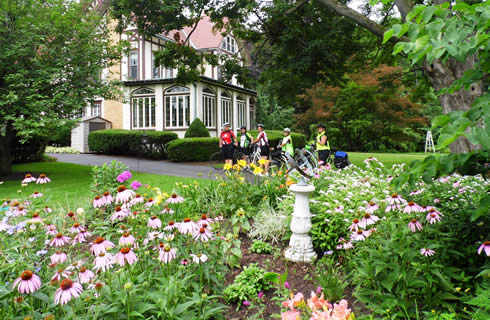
[197,129]
[126,142]
[275,136]
[192,149]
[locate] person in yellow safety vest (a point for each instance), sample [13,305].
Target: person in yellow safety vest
[287,142]
[322,145]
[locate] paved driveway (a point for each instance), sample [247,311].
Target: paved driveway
[162,167]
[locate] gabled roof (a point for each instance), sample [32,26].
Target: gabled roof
[204,37]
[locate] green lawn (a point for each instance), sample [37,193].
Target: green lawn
[388,159]
[70,183]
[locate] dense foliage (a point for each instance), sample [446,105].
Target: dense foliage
[197,129]
[129,142]
[192,149]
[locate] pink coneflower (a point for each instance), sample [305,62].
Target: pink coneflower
[36,194]
[85,275]
[412,207]
[61,273]
[174,198]
[28,282]
[187,227]
[203,234]
[42,179]
[184,262]
[485,246]
[100,245]
[126,255]
[58,257]
[427,252]
[107,198]
[59,240]
[81,237]
[98,202]
[77,228]
[119,213]
[149,203]
[165,253]
[415,225]
[103,261]
[444,180]
[204,221]
[345,244]
[433,217]
[171,226]
[431,209]
[67,290]
[395,199]
[152,236]
[36,218]
[21,211]
[359,235]
[47,209]
[154,222]
[456,184]
[415,192]
[372,206]
[28,178]
[199,258]
[167,210]
[169,237]
[355,225]
[71,215]
[124,194]
[51,230]
[368,219]
[137,199]
[339,209]
[126,239]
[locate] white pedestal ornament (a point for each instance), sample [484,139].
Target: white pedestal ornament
[300,245]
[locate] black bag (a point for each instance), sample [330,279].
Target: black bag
[341,160]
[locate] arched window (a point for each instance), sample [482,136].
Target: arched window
[209,107]
[177,107]
[143,108]
[229,44]
[252,113]
[242,112]
[226,109]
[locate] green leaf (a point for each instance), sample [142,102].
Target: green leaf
[184,306]
[414,12]
[421,42]
[399,47]
[440,121]
[388,34]
[427,14]
[482,208]
[41,296]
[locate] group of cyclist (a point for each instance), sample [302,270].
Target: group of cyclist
[228,141]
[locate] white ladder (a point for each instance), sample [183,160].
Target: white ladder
[429,142]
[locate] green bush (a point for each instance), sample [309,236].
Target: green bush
[275,136]
[197,129]
[125,142]
[192,149]
[31,150]
[248,284]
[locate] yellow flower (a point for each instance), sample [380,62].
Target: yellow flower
[262,161]
[156,189]
[467,290]
[149,187]
[242,163]
[258,170]
[227,166]
[240,212]
[253,165]
[241,178]
[289,182]
[458,289]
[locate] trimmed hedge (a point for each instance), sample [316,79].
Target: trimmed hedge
[192,149]
[128,142]
[275,136]
[197,129]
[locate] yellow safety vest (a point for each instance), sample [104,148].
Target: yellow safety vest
[288,147]
[320,146]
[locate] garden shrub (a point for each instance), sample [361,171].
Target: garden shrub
[261,247]
[192,149]
[126,142]
[104,178]
[269,224]
[31,150]
[275,136]
[197,129]
[248,284]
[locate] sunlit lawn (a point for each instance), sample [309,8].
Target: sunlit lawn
[388,159]
[70,183]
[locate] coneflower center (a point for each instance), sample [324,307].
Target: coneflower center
[411,203]
[414,220]
[42,176]
[124,250]
[355,220]
[99,240]
[187,220]
[118,208]
[394,195]
[59,235]
[126,234]
[121,188]
[367,215]
[66,284]
[153,217]
[26,275]
[359,231]
[97,198]
[71,214]
[106,194]
[83,269]
[76,225]
[35,215]
[28,175]
[486,243]
[204,217]
[171,223]
[174,195]
[202,230]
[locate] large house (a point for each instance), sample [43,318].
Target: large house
[153,101]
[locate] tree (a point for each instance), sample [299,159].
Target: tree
[371,112]
[52,55]
[162,15]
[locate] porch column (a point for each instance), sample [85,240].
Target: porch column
[159,108]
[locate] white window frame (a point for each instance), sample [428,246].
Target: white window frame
[209,108]
[242,112]
[226,110]
[133,63]
[143,109]
[173,110]
[252,113]
[229,44]
[96,109]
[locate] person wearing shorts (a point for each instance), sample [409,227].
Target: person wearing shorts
[263,143]
[227,142]
[322,145]
[245,141]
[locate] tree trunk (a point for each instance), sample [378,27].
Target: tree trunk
[5,158]
[441,75]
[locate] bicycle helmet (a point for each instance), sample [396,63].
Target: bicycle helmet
[260,125]
[321,125]
[287,130]
[243,127]
[226,125]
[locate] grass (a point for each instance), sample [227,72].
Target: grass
[70,183]
[388,159]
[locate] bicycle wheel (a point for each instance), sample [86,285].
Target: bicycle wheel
[216,162]
[239,156]
[311,159]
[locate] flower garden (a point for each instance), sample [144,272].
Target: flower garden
[214,249]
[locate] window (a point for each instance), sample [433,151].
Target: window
[143,109]
[156,68]
[177,107]
[168,73]
[252,113]
[133,65]
[229,44]
[209,108]
[226,109]
[95,109]
[242,112]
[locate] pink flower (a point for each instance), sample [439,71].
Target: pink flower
[149,203]
[246,303]
[437,200]
[167,210]
[119,213]
[415,192]
[414,225]
[290,315]
[100,245]
[174,198]
[103,261]
[355,225]
[67,291]
[36,195]
[135,185]
[59,240]
[339,209]
[126,255]
[50,230]
[444,180]
[107,198]
[124,176]
[27,283]
[171,225]
[433,217]
[485,246]
[372,206]
[413,207]
[28,179]
[340,311]
[81,237]
[137,199]
[286,285]
[58,257]
[456,184]
[199,258]
[36,218]
[367,220]
[260,295]
[427,252]
[295,301]
[61,273]
[165,253]
[126,239]
[345,244]
[98,202]
[395,199]
[77,228]
[184,262]
[85,275]
[124,195]
[359,235]
[47,209]
[42,179]
[187,227]
[203,234]
[154,222]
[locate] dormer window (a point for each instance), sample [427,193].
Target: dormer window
[229,44]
